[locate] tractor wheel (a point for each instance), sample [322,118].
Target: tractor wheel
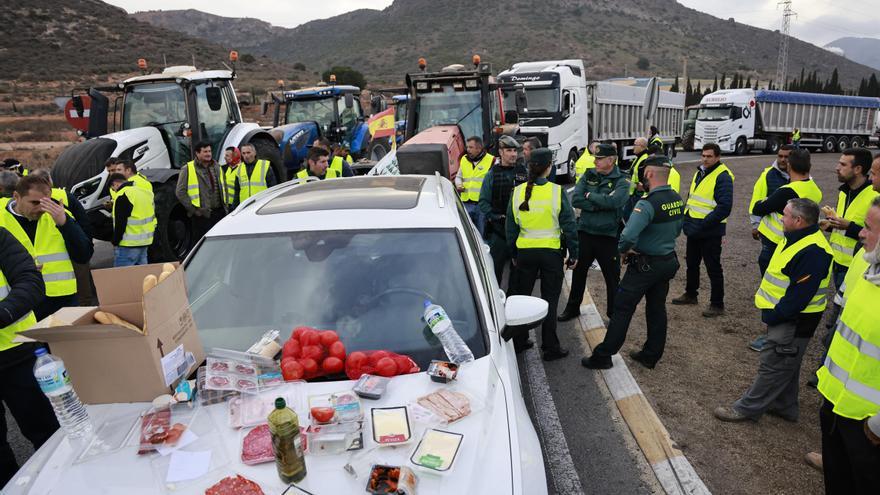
[81,161]
[173,237]
[268,150]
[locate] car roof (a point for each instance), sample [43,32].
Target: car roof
[354,203]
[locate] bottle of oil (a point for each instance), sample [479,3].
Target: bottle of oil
[289,458]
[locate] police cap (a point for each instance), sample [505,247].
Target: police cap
[657,161]
[508,142]
[542,156]
[605,150]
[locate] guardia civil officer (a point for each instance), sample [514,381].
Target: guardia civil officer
[647,244]
[537,217]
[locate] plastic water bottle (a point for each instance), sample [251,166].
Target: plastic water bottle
[439,323]
[55,383]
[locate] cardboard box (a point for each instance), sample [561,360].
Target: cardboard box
[111,363]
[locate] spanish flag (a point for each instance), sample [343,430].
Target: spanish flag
[382,124]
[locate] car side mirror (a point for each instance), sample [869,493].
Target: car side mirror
[215,99]
[349,100]
[522,314]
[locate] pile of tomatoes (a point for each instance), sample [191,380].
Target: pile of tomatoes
[311,353]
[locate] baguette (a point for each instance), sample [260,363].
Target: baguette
[150,281]
[829,212]
[168,267]
[106,318]
[164,275]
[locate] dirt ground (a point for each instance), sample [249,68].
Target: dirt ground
[707,363]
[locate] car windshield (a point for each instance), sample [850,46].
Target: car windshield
[153,104]
[716,113]
[321,111]
[451,107]
[369,286]
[540,100]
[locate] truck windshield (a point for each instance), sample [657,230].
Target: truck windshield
[321,111]
[715,113]
[368,285]
[450,107]
[540,100]
[153,104]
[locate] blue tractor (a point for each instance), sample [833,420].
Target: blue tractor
[332,111]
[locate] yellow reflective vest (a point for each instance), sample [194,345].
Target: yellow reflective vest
[142,182]
[230,175]
[48,250]
[249,186]
[331,173]
[674,177]
[584,163]
[771,225]
[141,223]
[775,283]
[538,227]
[856,212]
[472,175]
[192,185]
[796,136]
[7,333]
[850,377]
[701,199]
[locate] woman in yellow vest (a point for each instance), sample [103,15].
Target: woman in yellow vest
[850,379]
[540,223]
[53,238]
[21,289]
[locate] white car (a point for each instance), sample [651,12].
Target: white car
[360,256]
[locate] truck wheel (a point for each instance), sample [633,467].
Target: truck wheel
[742,147]
[829,144]
[377,150]
[772,146]
[687,140]
[268,150]
[173,236]
[857,142]
[842,143]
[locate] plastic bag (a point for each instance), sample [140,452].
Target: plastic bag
[312,353]
[381,363]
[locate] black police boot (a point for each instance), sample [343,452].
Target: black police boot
[685,299]
[569,313]
[639,357]
[597,362]
[554,354]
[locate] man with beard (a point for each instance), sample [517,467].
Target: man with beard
[473,168]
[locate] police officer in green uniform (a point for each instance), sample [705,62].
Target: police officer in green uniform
[495,199]
[647,244]
[537,217]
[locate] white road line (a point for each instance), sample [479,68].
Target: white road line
[564,475]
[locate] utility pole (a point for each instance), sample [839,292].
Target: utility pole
[782,63]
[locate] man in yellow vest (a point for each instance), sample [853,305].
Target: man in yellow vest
[875,174]
[792,297]
[129,170]
[232,157]
[67,200]
[21,289]
[53,238]
[472,169]
[849,381]
[340,166]
[201,190]
[638,185]
[705,223]
[134,222]
[318,165]
[254,175]
[771,179]
[796,138]
[655,140]
[800,185]
[586,161]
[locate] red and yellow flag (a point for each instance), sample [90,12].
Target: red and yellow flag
[382,124]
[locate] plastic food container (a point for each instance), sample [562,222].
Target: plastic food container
[391,479]
[437,451]
[371,386]
[442,371]
[391,426]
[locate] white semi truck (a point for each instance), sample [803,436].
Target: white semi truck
[741,120]
[566,111]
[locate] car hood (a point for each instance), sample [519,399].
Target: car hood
[484,461]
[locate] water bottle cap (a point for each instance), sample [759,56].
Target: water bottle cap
[40,352]
[280,403]
[427,302]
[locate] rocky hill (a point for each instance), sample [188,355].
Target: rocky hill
[862,50]
[614,37]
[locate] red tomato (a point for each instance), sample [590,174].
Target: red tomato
[298,331]
[376,356]
[291,349]
[356,360]
[404,365]
[312,337]
[322,414]
[310,366]
[386,367]
[332,365]
[313,352]
[291,369]
[328,337]
[337,349]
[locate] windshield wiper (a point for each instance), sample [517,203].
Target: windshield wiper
[467,114]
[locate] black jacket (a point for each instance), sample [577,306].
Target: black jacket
[121,211]
[26,287]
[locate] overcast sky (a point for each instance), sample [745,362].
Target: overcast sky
[817,21]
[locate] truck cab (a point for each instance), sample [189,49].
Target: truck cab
[727,118]
[332,111]
[557,111]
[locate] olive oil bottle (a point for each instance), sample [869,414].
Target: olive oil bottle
[287,442]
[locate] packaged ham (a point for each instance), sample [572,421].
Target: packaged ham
[447,404]
[256,446]
[235,485]
[242,375]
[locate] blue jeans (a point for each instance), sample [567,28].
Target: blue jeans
[130,256]
[476,215]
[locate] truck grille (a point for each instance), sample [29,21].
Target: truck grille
[710,135]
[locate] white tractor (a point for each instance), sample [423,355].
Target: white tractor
[156,118]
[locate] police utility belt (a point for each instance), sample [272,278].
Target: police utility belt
[642,262]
